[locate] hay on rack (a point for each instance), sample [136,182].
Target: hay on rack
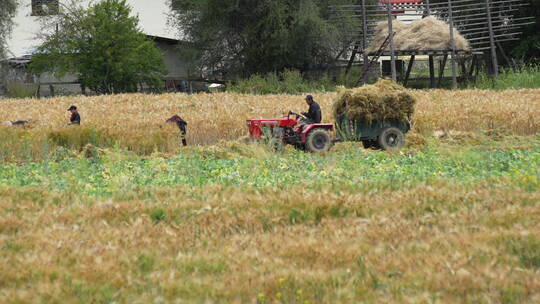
[380,101]
[421,35]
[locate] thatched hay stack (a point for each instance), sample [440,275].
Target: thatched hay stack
[382,100]
[421,35]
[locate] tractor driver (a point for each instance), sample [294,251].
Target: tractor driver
[314,114]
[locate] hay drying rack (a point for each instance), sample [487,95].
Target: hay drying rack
[485,24]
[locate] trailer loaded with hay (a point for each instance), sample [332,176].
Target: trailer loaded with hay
[378,115]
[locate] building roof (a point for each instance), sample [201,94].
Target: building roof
[22,61]
[164,39]
[17,62]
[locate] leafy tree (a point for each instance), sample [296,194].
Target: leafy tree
[528,48]
[7,12]
[243,37]
[103,45]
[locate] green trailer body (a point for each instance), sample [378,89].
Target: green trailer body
[387,134]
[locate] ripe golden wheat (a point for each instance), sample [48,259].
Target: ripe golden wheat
[137,121]
[222,248]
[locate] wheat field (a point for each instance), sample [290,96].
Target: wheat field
[138,120]
[430,243]
[224,222]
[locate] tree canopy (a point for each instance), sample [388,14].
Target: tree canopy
[7,12]
[103,45]
[528,48]
[243,37]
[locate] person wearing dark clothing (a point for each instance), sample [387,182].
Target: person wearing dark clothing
[182,125]
[17,123]
[314,114]
[20,122]
[75,118]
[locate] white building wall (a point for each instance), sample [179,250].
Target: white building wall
[152,21]
[408,19]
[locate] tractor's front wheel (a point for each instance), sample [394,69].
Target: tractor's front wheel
[318,140]
[275,144]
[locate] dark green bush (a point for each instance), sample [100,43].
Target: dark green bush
[287,82]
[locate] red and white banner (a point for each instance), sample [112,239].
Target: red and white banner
[400,6]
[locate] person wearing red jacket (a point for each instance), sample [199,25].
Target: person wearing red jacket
[75,118]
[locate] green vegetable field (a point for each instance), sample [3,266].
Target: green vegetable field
[348,168]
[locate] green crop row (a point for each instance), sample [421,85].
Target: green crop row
[347,168]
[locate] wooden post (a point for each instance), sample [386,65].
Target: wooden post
[364,42]
[453,44]
[463,68]
[431,72]
[492,41]
[409,68]
[353,56]
[478,67]
[391,36]
[441,70]
[503,53]
[472,68]
[428,9]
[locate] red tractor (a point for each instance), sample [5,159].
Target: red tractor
[292,129]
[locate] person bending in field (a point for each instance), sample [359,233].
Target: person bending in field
[314,114]
[75,118]
[182,124]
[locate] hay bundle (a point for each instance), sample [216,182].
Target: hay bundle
[421,35]
[382,100]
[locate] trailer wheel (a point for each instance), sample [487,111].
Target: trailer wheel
[391,139]
[318,140]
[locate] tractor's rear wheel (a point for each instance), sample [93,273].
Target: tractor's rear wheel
[391,139]
[318,140]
